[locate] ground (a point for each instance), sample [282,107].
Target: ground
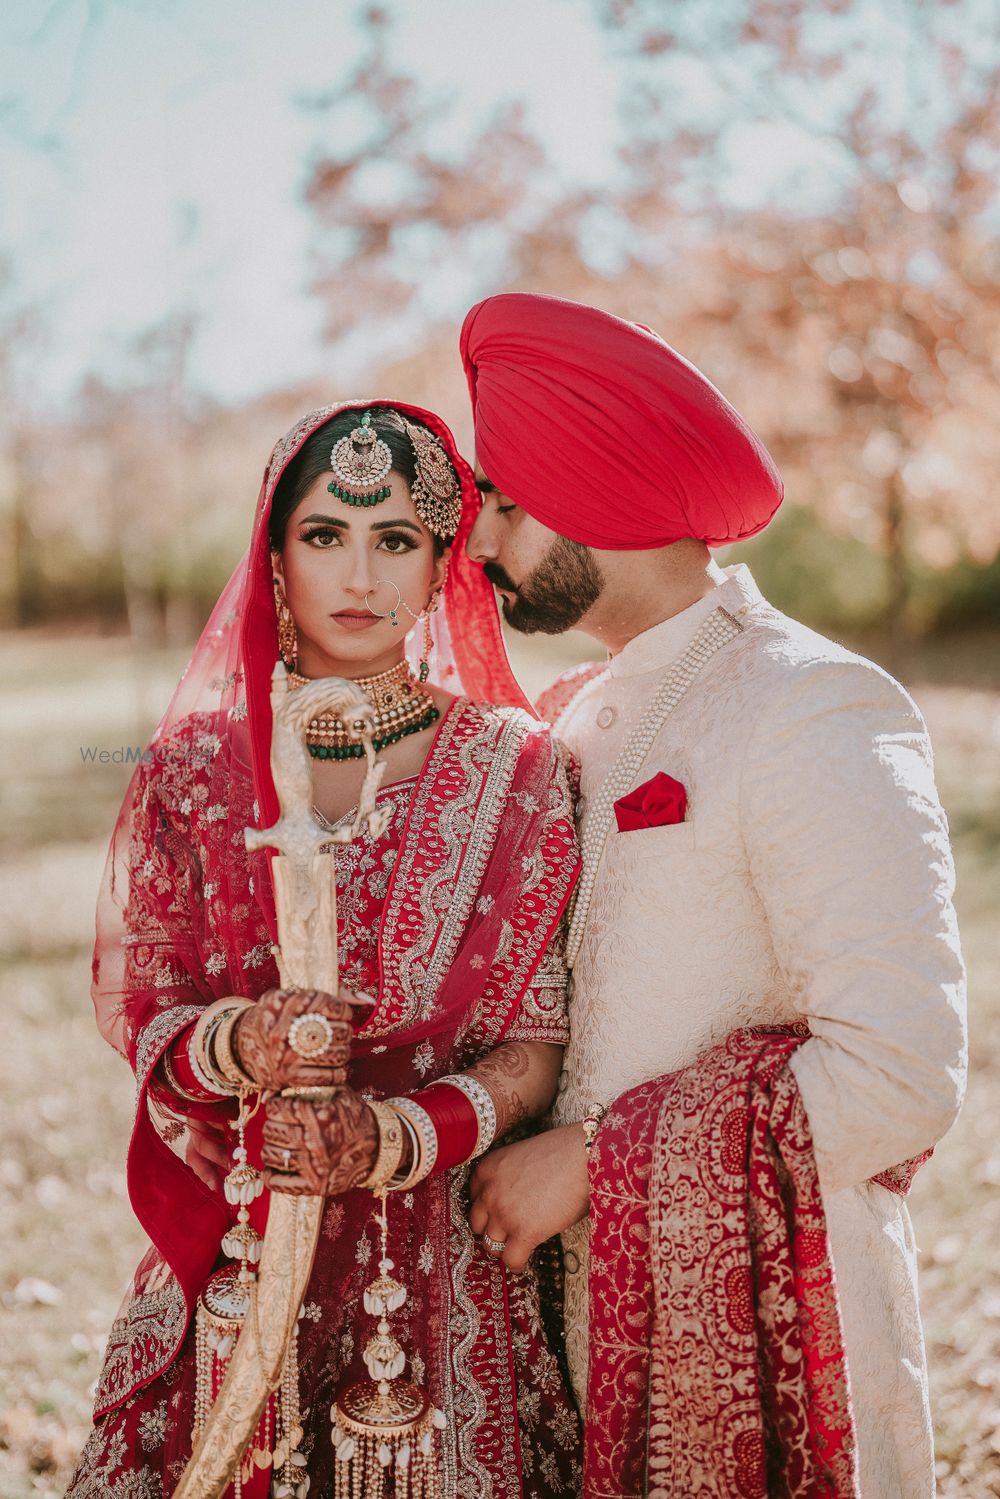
[69,1240]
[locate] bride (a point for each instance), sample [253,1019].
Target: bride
[450,1027]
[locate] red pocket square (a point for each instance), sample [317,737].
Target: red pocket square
[655,804]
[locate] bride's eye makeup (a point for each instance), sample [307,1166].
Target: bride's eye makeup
[397,542]
[393,542]
[321,535]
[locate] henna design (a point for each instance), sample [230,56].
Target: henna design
[332,1146]
[516,1110]
[260,1039]
[510,1060]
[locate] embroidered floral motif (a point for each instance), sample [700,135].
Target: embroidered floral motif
[140,1343]
[257,955]
[152,1425]
[423,1058]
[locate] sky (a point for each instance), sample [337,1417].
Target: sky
[153,153]
[152,157]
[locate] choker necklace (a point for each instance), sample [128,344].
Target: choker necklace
[401,707]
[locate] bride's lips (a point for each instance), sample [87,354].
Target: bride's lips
[352,619]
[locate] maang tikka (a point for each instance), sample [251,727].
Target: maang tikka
[361,462]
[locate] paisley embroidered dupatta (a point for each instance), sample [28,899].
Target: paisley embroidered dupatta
[485,868]
[717,1364]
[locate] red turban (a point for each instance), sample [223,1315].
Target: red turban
[603,433]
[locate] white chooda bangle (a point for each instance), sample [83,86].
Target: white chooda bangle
[481,1100]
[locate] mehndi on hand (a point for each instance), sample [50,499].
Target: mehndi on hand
[295,1038]
[319,1149]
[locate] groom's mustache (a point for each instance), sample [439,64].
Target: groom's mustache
[499,578]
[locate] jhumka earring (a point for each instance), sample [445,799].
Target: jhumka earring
[386,1429]
[288,640]
[424,669]
[361,462]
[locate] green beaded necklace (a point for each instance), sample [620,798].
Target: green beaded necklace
[355,751]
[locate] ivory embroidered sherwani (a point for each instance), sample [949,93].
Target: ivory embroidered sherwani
[811,880]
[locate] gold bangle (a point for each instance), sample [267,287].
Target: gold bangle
[425,1136]
[204,1069]
[390,1146]
[408,1179]
[170,1077]
[221,1055]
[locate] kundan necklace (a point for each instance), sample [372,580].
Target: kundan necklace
[401,707]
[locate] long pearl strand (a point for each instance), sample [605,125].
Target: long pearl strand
[718,629]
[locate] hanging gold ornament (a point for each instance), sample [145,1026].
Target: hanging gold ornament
[386,1431]
[223,1308]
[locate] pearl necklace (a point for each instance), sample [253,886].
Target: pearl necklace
[718,629]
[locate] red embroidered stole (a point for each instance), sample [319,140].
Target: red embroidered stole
[717,1365]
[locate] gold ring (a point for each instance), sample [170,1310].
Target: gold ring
[310,1035]
[494,1246]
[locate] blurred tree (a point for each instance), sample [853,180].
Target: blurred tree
[868,318]
[856,317]
[414,221]
[21,329]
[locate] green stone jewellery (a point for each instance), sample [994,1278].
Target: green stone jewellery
[401,708]
[362,463]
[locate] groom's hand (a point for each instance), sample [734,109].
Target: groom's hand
[523,1194]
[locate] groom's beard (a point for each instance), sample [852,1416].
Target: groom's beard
[556,595]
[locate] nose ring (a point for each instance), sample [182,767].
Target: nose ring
[393,613]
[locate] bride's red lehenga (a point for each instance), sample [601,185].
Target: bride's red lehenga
[451,922]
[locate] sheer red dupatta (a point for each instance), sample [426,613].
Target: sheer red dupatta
[186,916]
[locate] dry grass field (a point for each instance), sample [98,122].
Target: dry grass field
[68,1239]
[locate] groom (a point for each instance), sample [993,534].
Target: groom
[766,905]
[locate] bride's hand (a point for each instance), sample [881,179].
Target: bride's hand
[319,1149]
[295,1038]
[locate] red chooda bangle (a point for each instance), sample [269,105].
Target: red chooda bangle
[455,1123]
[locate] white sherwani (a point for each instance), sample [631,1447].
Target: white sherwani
[812,879]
